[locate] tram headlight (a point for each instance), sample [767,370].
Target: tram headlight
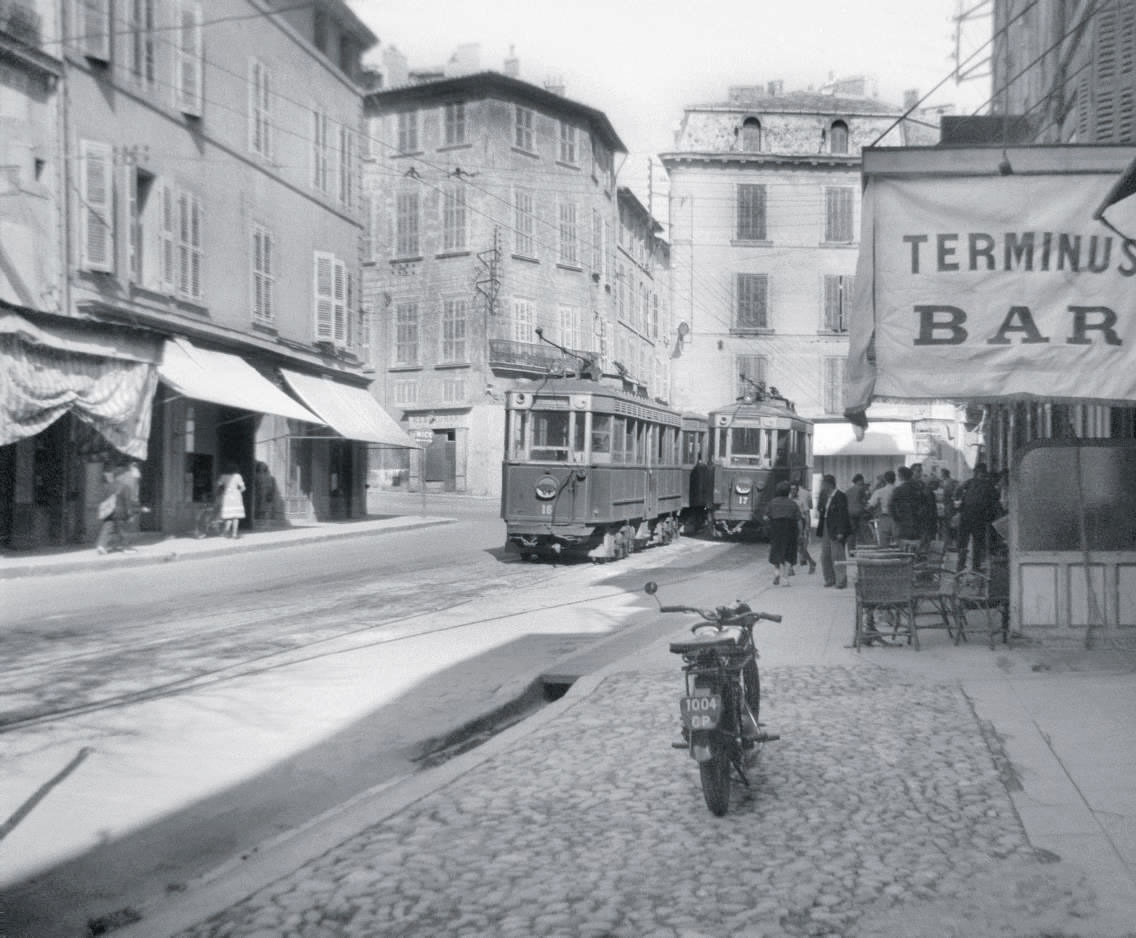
[546,488]
[743,486]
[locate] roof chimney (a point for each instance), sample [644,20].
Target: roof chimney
[773,88]
[555,84]
[512,64]
[910,98]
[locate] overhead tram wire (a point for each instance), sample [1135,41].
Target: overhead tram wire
[982,48]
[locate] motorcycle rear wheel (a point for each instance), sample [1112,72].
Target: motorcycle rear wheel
[715,775]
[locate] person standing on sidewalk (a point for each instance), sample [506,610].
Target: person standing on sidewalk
[879,504]
[784,517]
[232,488]
[833,528]
[978,507]
[804,500]
[857,495]
[114,533]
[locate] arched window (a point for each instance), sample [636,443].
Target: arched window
[751,135]
[838,137]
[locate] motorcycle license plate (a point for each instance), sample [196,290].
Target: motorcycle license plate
[701,713]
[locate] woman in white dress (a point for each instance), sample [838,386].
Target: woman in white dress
[231,485]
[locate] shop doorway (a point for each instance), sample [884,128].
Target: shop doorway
[441,461]
[236,432]
[341,477]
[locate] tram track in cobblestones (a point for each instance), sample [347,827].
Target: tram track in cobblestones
[279,658]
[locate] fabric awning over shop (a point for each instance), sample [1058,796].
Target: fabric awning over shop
[104,378]
[351,412]
[883,438]
[221,378]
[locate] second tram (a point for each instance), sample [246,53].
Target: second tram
[755,443]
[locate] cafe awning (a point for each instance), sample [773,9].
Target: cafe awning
[221,378]
[882,438]
[351,412]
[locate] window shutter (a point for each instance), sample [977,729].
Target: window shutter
[166,237]
[97,209]
[340,303]
[324,294]
[92,28]
[188,59]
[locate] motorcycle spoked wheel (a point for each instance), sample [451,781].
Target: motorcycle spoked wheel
[715,775]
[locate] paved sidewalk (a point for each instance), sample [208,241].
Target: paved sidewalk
[160,548]
[947,792]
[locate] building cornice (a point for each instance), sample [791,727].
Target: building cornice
[758,160]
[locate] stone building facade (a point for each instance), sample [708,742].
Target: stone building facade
[494,210]
[765,228]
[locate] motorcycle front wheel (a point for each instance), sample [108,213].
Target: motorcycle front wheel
[715,774]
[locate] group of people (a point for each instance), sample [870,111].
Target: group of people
[902,508]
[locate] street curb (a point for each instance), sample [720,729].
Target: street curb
[146,558]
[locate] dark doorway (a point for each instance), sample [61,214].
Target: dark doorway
[236,431]
[341,477]
[441,460]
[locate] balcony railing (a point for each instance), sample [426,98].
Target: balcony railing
[529,357]
[20,21]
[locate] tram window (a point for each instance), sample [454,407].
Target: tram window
[782,449]
[519,421]
[549,435]
[748,444]
[579,435]
[618,439]
[601,434]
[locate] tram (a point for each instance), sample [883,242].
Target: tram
[594,470]
[755,442]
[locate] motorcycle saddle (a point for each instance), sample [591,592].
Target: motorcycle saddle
[724,641]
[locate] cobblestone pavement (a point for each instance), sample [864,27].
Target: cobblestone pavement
[883,811]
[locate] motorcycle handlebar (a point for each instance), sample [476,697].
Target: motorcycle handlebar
[713,616]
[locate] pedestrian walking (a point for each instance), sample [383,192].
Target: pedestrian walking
[804,499]
[833,528]
[118,509]
[784,517]
[231,488]
[879,505]
[857,495]
[978,507]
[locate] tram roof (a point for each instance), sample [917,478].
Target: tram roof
[743,410]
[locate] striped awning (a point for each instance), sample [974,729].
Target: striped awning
[220,378]
[351,412]
[104,378]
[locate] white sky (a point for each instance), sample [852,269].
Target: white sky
[641,62]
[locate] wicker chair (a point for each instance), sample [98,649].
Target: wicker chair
[935,587]
[885,586]
[986,595]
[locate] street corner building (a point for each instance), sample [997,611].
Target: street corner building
[180,283]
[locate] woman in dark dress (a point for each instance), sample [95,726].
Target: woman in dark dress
[784,516]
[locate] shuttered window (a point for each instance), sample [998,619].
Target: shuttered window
[406,224]
[838,215]
[751,212]
[91,28]
[406,333]
[833,389]
[96,210]
[752,305]
[837,302]
[750,368]
[188,59]
[260,110]
[324,296]
[189,245]
[263,275]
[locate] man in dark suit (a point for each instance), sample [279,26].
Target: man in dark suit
[833,528]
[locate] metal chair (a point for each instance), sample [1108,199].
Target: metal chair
[934,580]
[989,594]
[885,586]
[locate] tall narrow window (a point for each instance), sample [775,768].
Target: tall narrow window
[91,28]
[569,252]
[140,31]
[568,152]
[838,138]
[167,238]
[838,215]
[406,333]
[837,302]
[455,232]
[523,129]
[453,330]
[260,110]
[453,120]
[453,390]
[406,224]
[572,332]
[321,152]
[523,321]
[188,59]
[751,135]
[263,275]
[597,242]
[141,183]
[524,223]
[408,132]
[189,246]
[834,385]
[346,174]
[342,285]
[751,212]
[752,311]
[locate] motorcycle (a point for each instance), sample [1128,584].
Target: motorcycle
[720,710]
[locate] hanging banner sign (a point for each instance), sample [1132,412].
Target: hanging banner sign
[993,287]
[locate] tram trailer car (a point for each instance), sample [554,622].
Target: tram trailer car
[591,470]
[755,443]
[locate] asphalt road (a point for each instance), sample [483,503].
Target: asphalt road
[464,626]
